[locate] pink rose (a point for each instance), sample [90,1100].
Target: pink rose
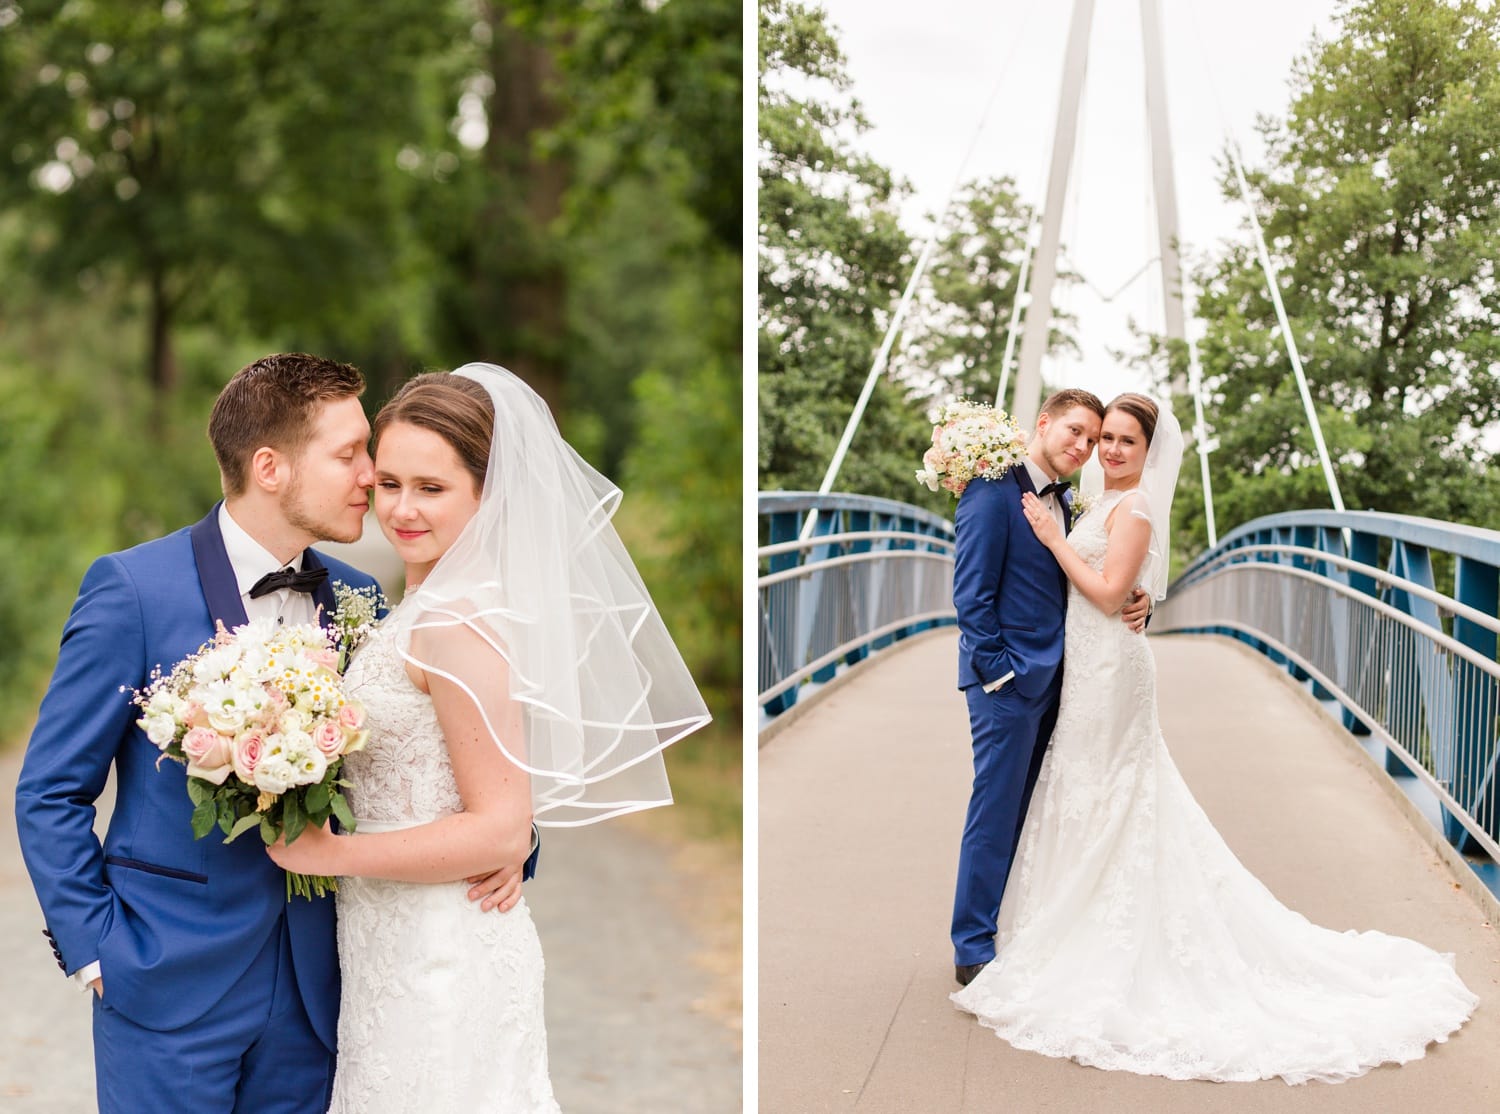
[206,747]
[352,717]
[193,715]
[326,658]
[275,698]
[248,748]
[208,754]
[328,737]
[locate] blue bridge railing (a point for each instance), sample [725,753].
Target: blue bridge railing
[1391,616]
[873,572]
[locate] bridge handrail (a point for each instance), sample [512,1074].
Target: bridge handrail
[1460,540]
[775,502]
[1444,603]
[849,536]
[1350,601]
[876,572]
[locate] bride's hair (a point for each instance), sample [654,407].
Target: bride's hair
[456,408]
[1139,407]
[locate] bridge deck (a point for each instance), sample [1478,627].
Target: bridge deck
[861,806]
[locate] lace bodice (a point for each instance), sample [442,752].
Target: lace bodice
[442,1003]
[1089,537]
[403,772]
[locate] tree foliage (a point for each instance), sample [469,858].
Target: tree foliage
[1380,196]
[955,343]
[832,260]
[189,185]
[216,156]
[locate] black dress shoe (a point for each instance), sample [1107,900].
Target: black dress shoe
[965,975]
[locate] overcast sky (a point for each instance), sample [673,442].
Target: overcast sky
[924,74]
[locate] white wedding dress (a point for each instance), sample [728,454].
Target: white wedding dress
[442,1002]
[1131,938]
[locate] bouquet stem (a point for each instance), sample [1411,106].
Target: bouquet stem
[310,885]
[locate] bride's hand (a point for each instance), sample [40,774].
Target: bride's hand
[315,852]
[1042,522]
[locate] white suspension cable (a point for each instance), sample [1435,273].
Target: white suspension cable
[899,317]
[1202,443]
[1274,285]
[1013,329]
[1272,282]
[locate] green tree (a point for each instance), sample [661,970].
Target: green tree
[1380,197]
[832,260]
[955,341]
[218,157]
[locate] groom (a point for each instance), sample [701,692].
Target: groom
[1011,597]
[211,990]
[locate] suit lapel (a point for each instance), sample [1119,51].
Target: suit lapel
[1023,478]
[216,574]
[323,593]
[1067,516]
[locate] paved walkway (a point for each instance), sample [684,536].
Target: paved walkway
[861,807]
[637,1022]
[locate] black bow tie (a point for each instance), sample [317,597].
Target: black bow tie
[1056,487]
[304,581]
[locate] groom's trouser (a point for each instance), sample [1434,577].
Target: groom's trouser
[1010,734]
[253,1053]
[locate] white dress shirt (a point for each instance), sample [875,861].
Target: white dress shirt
[1053,503]
[250,561]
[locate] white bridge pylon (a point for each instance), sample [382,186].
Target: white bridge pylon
[1041,263]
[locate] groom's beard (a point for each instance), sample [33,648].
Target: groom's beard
[294,508]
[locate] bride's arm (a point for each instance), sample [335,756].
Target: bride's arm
[493,830]
[1129,540]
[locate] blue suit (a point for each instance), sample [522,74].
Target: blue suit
[1011,598]
[219,993]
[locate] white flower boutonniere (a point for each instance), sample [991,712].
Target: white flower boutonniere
[354,618]
[1082,504]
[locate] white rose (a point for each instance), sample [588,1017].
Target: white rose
[274,774]
[310,767]
[162,703]
[160,729]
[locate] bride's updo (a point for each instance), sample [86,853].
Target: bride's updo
[1139,407]
[456,408]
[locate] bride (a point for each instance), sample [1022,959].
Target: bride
[1130,937]
[526,673]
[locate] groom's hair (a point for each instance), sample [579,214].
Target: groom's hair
[1060,402]
[272,402]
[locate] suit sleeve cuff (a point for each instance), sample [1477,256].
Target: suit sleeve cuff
[86,974]
[996,686]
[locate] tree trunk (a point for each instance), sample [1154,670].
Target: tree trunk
[163,359]
[518,274]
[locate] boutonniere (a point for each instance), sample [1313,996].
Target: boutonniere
[354,617]
[1082,504]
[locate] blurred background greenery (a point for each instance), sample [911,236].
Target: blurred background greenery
[400,184]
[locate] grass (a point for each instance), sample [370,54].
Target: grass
[705,773]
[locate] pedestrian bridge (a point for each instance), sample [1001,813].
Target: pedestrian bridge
[1327,685]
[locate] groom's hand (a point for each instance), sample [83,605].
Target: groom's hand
[1136,610]
[499,891]
[97,986]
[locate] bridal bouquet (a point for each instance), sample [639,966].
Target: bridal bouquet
[260,719]
[970,440]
